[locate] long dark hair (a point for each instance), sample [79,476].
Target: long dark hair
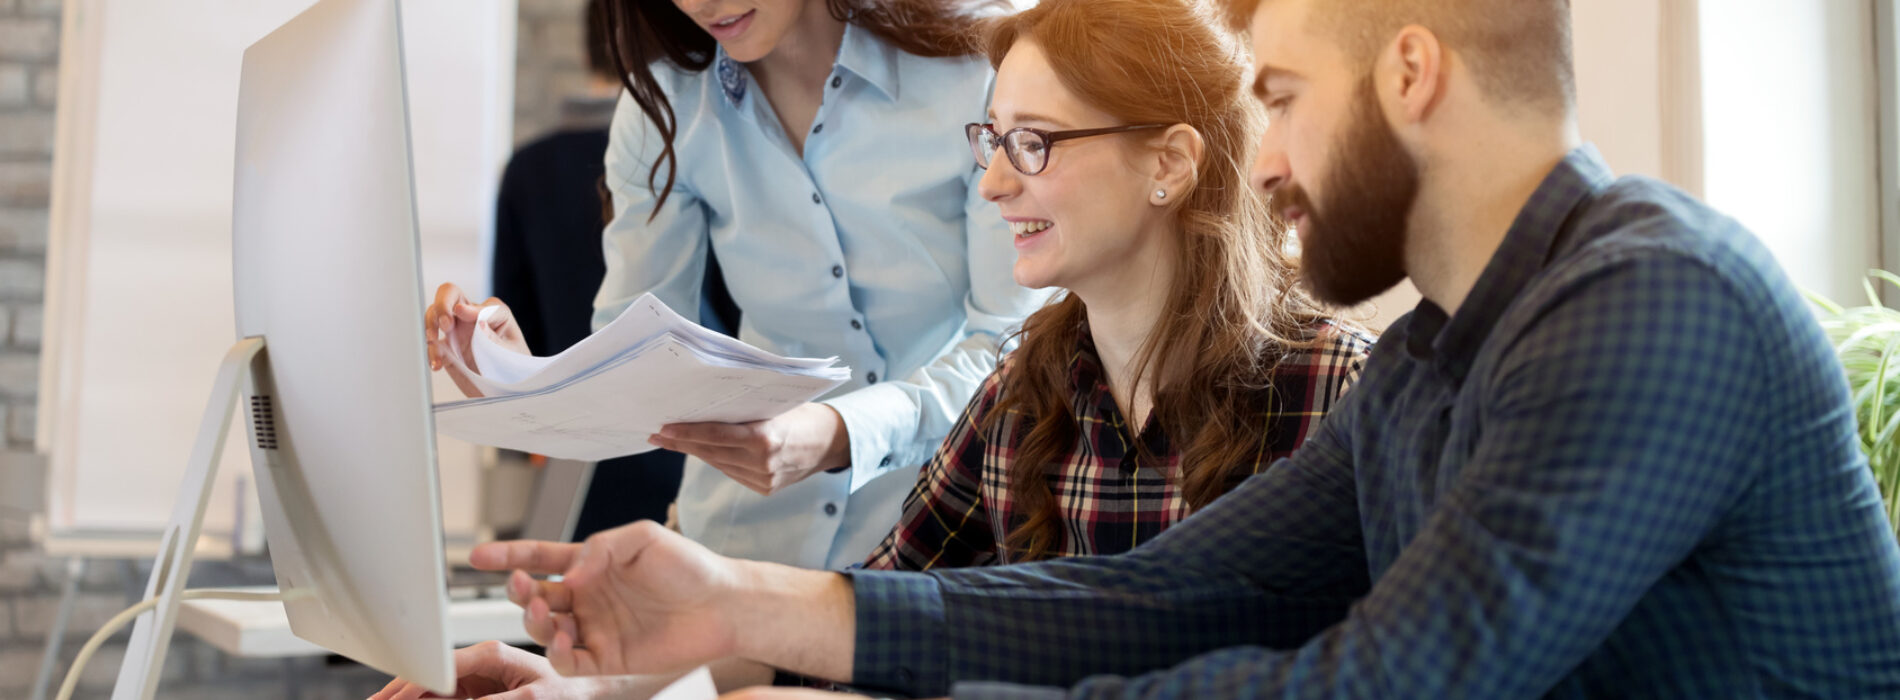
[1234,310]
[644,32]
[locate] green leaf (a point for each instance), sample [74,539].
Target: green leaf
[1880,381]
[1885,275]
[1866,341]
[1826,304]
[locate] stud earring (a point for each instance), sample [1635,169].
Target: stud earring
[1161,194]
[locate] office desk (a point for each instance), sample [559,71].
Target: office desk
[259,629]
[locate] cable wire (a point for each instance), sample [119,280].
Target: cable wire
[112,626]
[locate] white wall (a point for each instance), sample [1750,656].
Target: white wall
[145,269]
[1788,94]
[1618,47]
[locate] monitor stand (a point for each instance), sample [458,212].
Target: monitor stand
[244,366]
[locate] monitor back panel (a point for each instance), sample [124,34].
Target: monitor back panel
[327,271]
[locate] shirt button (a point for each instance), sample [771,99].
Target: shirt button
[815,199]
[837,270]
[836,80]
[856,326]
[871,378]
[831,509]
[818,128]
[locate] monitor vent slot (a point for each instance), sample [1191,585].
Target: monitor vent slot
[263,423]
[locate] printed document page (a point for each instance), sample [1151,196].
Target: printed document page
[607,394]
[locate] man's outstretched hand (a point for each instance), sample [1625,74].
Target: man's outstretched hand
[635,599]
[643,599]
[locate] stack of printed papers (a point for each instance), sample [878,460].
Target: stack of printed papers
[607,394]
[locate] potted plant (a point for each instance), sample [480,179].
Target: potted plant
[1867,338]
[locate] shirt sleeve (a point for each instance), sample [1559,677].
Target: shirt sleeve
[945,523]
[900,423]
[663,251]
[1618,433]
[1272,563]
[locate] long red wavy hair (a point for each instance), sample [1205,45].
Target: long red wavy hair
[1233,311]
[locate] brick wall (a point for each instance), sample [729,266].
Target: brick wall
[29,77]
[550,62]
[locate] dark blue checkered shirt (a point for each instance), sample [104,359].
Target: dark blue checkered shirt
[1625,468]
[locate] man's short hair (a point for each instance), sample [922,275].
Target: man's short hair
[1519,50]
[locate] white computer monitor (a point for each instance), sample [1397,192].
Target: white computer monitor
[327,271]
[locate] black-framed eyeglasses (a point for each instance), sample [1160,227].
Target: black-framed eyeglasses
[1026,148]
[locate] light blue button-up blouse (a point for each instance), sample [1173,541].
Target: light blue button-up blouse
[873,246]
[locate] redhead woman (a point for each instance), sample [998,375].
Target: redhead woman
[1184,358]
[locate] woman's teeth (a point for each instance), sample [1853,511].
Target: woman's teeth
[1025,228]
[729,22]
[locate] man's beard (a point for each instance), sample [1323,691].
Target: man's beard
[1352,248]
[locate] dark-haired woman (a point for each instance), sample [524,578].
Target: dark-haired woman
[815,146]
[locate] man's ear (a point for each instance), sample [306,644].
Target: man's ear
[1410,74]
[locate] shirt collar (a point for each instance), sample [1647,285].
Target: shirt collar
[1453,343]
[1092,401]
[861,53]
[733,78]
[872,59]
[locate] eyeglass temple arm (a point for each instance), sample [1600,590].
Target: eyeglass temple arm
[1065,135]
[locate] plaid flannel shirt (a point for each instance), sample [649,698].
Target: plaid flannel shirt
[1626,468]
[1112,496]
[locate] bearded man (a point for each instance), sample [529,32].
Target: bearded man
[1609,455]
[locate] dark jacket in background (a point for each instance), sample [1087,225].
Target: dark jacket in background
[548,264]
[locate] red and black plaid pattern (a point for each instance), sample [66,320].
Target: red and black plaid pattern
[1111,495]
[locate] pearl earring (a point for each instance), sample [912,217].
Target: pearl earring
[1161,194]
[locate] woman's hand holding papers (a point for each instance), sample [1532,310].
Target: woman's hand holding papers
[644,599]
[450,324]
[769,455]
